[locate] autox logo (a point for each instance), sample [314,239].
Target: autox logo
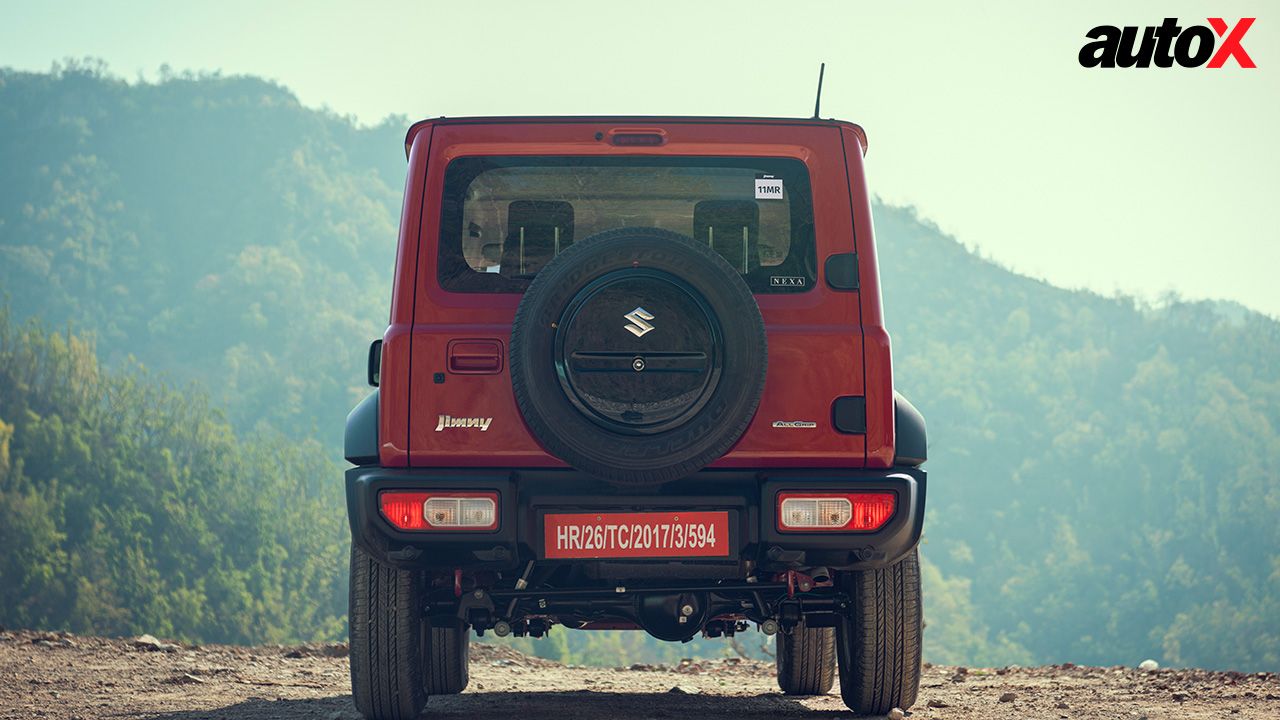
[1166,44]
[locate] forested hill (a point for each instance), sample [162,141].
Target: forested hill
[212,227]
[1104,476]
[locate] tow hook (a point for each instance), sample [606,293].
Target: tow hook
[796,580]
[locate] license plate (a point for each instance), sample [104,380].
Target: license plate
[636,535]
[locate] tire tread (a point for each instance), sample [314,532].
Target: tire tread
[806,661]
[386,632]
[447,672]
[879,643]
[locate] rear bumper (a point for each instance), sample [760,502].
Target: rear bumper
[525,496]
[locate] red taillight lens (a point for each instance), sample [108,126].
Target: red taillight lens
[434,510]
[838,512]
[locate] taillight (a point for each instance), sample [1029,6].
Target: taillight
[434,510]
[847,512]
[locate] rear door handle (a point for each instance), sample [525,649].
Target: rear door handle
[475,357]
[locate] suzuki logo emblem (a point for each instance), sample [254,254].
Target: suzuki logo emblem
[638,325]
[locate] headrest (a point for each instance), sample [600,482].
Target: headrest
[537,230]
[731,228]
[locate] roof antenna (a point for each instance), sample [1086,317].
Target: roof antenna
[818,103]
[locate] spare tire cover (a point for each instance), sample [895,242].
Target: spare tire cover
[638,356]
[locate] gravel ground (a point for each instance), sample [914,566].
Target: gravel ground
[57,675]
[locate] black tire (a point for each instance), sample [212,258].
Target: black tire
[647,428]
[878,643]
[447,672]
[807,661]
[388,640]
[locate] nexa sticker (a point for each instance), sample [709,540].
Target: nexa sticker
[448,421]
[785,281]
[802,424]
[1165,44]
[768,189]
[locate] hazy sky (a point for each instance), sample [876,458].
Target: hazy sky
[1142,181]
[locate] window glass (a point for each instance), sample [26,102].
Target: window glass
[504,218]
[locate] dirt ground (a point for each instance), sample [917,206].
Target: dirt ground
[56,675]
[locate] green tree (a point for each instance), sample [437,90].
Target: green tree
[131,507]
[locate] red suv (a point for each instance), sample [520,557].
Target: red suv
[636,376]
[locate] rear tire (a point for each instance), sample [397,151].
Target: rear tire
[878,643]
[807,661]
[388,640]
[450,654]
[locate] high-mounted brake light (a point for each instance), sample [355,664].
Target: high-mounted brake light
[640,139]
[435,510]
[838,512]
[637,137]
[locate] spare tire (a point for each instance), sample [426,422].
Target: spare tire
[638,356]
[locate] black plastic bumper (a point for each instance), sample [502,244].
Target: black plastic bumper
[525,496]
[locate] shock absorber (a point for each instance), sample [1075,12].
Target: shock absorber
[521,584]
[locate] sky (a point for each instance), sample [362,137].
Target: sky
[1142,182]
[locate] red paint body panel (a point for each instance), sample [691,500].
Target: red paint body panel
[393,390]
[878,364]
[817,339]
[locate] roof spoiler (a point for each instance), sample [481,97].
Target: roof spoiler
[416,127]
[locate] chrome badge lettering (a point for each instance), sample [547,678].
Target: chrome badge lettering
[803,424]
[638,325]
[448,421]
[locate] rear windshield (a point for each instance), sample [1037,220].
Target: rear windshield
[504,218]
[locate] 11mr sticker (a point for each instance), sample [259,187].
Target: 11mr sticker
[768,189]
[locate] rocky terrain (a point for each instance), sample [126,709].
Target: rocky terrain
[57,675]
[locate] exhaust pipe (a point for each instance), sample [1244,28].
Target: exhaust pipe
[821,576]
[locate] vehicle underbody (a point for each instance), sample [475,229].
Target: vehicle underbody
[501,580]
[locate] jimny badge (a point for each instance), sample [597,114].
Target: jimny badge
[448,421]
